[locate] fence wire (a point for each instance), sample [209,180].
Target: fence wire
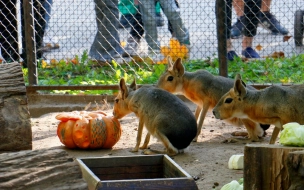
[126,30]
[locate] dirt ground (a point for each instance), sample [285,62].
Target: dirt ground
[205,160]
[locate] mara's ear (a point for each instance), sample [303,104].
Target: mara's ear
[133,85]
[238,76]
[239,88]
[179,67]
[123,88]
[170,62]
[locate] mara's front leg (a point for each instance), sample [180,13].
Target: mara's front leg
[201,119]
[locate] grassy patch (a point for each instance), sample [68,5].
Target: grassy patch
[82,71]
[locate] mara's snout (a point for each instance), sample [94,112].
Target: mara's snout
[216,114]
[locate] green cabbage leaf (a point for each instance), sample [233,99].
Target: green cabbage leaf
[292,134]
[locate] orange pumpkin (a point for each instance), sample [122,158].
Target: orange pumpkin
[88,130]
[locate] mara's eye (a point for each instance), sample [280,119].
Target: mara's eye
[228,100]
[116,100]
[170,78]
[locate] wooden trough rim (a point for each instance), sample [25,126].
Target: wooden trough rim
[93,181]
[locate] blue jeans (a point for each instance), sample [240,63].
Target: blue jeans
[172,12]
[47,16]
[106,43]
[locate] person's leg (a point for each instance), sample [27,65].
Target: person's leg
[251,11]
[266,19]
[237,28]
[231,54]
[159,18]
[173,14]
[137,29]
[48,41]
[269,21]
[170,25]
[106,44]
[8,30]
[39,22]
[48,8]
[238,6]
[147,9]
[136,34]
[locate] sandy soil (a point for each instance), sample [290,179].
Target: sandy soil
[205,160]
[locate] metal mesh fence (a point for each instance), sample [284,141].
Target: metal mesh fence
[126,30]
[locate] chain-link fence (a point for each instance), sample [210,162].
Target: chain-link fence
[126,29]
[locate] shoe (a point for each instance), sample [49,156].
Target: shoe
[250,53]
[48,47]
[131,47]
[159,20]
[269,22]
[237,28]
[156,55]
[231,55]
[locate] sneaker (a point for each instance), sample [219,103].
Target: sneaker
[159,20]
[250,53]
[269,22]
[156,55]
[237,28]
[231,55]
[131,47]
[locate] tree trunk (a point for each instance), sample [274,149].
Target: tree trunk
[295,164]
[265,167]
[40,169]
[15,123]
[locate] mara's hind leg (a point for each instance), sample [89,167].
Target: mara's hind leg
[169,148]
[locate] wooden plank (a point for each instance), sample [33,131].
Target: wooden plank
[140,160]
[171,169]
[132,176]
[11,79]
[157,184]
[40,169]
[127,169]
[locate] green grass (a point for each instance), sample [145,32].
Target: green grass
[82,71]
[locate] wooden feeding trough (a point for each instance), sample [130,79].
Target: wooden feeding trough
[135,172]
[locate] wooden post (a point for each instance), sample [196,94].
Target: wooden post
[265,166]
[15,123]
[295,164]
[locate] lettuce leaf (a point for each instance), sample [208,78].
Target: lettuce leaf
[292,134]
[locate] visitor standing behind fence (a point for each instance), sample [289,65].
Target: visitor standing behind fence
[251,11]
[49,42]
[172,12]
[137,32]
[128,11]
[106,44]
[266,19]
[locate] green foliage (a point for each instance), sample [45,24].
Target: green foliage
[83,71]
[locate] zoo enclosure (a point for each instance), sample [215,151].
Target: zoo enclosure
[73,26]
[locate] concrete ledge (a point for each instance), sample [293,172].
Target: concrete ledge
[40,104]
